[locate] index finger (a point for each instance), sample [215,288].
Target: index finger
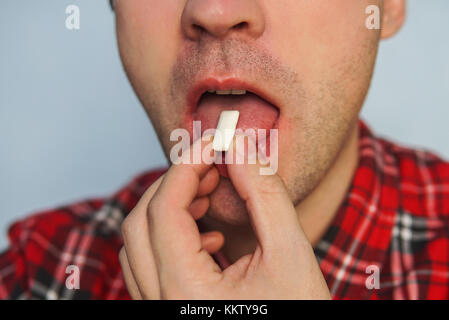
[174,233]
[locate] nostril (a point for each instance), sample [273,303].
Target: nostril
[240,26]
[199,28]
[218,30]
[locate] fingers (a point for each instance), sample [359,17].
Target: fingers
[137,244]
[209,182]
[128,276]
[211,242]
[176,241]
[139,255]
[136,232]
[269,206]
[198,207]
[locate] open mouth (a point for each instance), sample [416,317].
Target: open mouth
[256,112]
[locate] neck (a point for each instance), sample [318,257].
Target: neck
[315,212]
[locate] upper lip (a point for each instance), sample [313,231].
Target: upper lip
[231,83]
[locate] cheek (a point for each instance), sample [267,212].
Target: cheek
[147,32]
[317,37]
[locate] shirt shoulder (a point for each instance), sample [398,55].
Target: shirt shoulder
[423,180]
[417,266]
[81,239]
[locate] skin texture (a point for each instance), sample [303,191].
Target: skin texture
[314,58]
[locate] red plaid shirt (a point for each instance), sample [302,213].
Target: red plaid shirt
[394,223]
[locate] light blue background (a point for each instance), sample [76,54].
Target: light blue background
[71,127]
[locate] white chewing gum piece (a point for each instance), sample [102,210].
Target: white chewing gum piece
[225,130]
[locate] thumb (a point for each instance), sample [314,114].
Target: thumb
[269,206]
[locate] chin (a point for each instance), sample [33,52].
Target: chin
[226,206]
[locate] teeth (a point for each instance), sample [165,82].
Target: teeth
[236,92]
[223,92]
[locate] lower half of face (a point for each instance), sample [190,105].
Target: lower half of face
[311,61]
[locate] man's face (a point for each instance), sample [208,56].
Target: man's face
[307,63]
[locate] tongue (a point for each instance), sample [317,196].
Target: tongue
[255,113]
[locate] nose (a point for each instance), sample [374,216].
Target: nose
[220,18]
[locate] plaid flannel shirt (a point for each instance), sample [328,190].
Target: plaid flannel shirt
[393,226]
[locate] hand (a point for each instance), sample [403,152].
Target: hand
[165,257]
